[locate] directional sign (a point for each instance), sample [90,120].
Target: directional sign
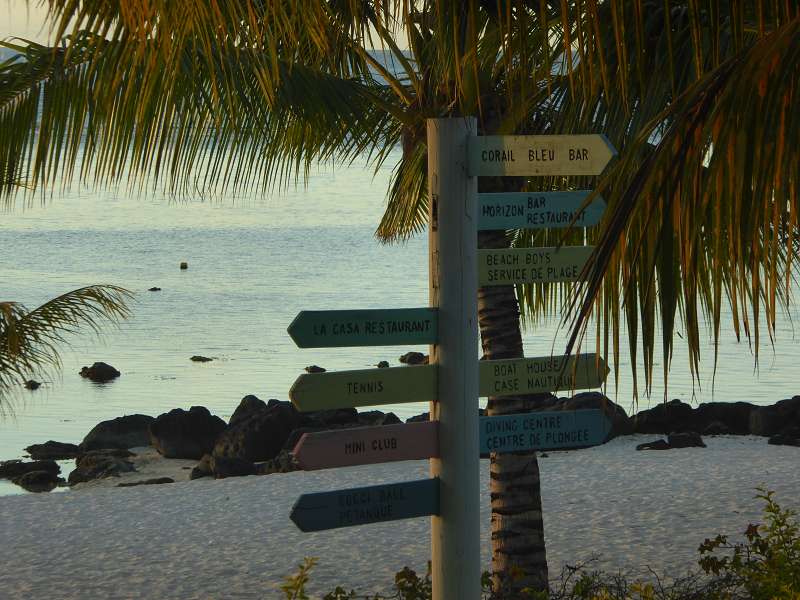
[539,154]
[366,387]
[538,210]
[531,265]
[544,430]
[380,327]
[367,445]
[359,506]
[540,374]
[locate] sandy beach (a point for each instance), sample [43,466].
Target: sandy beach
[233,539]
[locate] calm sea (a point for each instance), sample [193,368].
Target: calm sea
[253,264]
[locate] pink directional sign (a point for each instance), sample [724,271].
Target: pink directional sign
[367,445]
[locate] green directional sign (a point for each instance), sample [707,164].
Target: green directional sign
[360,506]
[495,155]
[511,266]
[378,327]
[541,374]
[538,210]
[366,387]
[544,430]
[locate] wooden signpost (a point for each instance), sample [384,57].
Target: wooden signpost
[541,374]
[367,445]
[452,440]
[379,327]
[512,266]
[372,504]
[364,387]
[493,155]
[544,430]
[538,210]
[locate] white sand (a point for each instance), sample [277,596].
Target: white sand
[233,538]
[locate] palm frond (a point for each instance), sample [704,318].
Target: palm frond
[30,340]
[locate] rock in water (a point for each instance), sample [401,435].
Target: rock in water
[198,358]
[32,384]
[98,465]
[185,434]
[314,369]
[10,469]
[184,266]
[37,481]
[154,289]
[384,364]
[130,431]
[99,372]
[414,358]
[52,450]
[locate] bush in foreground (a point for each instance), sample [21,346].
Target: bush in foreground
[765,566]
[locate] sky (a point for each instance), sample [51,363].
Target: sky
[23,19]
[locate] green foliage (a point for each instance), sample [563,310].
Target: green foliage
[766,566]
[294,588]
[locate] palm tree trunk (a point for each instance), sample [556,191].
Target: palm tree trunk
[519,559]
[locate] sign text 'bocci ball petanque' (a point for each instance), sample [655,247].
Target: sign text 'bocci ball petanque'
[544,430]
[359,506]
[531,265]
[378,327]
[367,445]
[538,210]
[541,374]
[493,155]
[364,387]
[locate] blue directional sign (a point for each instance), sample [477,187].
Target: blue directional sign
[543,430]
[372,504]
[538,210]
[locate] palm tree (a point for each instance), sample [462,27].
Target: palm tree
[697,97]
[29,339]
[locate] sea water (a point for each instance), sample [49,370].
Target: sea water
[254,261]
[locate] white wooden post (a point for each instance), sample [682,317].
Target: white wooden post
[453,243]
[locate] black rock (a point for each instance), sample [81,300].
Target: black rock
[735,416]
[426,416]
[654,445]
[771,420]
[185,434]
[717,428]
[314,369]
[687,439]
[184,266]
[52,450]
[247,406]
[37,481]
[98,465]
[225,466]
[198,358]
[330,418]
[284,462]
[99,372]
[154,481]
[414,358]
[130,431]
[32,384]
[10,469]
[785,439]
[259,435]
[384,364]
[203,468]
[154,289]
[667,417]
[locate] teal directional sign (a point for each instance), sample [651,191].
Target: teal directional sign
[544,430]
[538,210]
[372,504]
[377,327]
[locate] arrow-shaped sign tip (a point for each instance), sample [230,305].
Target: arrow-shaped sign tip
[609,144]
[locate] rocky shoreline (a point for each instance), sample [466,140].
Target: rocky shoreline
[259,437]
